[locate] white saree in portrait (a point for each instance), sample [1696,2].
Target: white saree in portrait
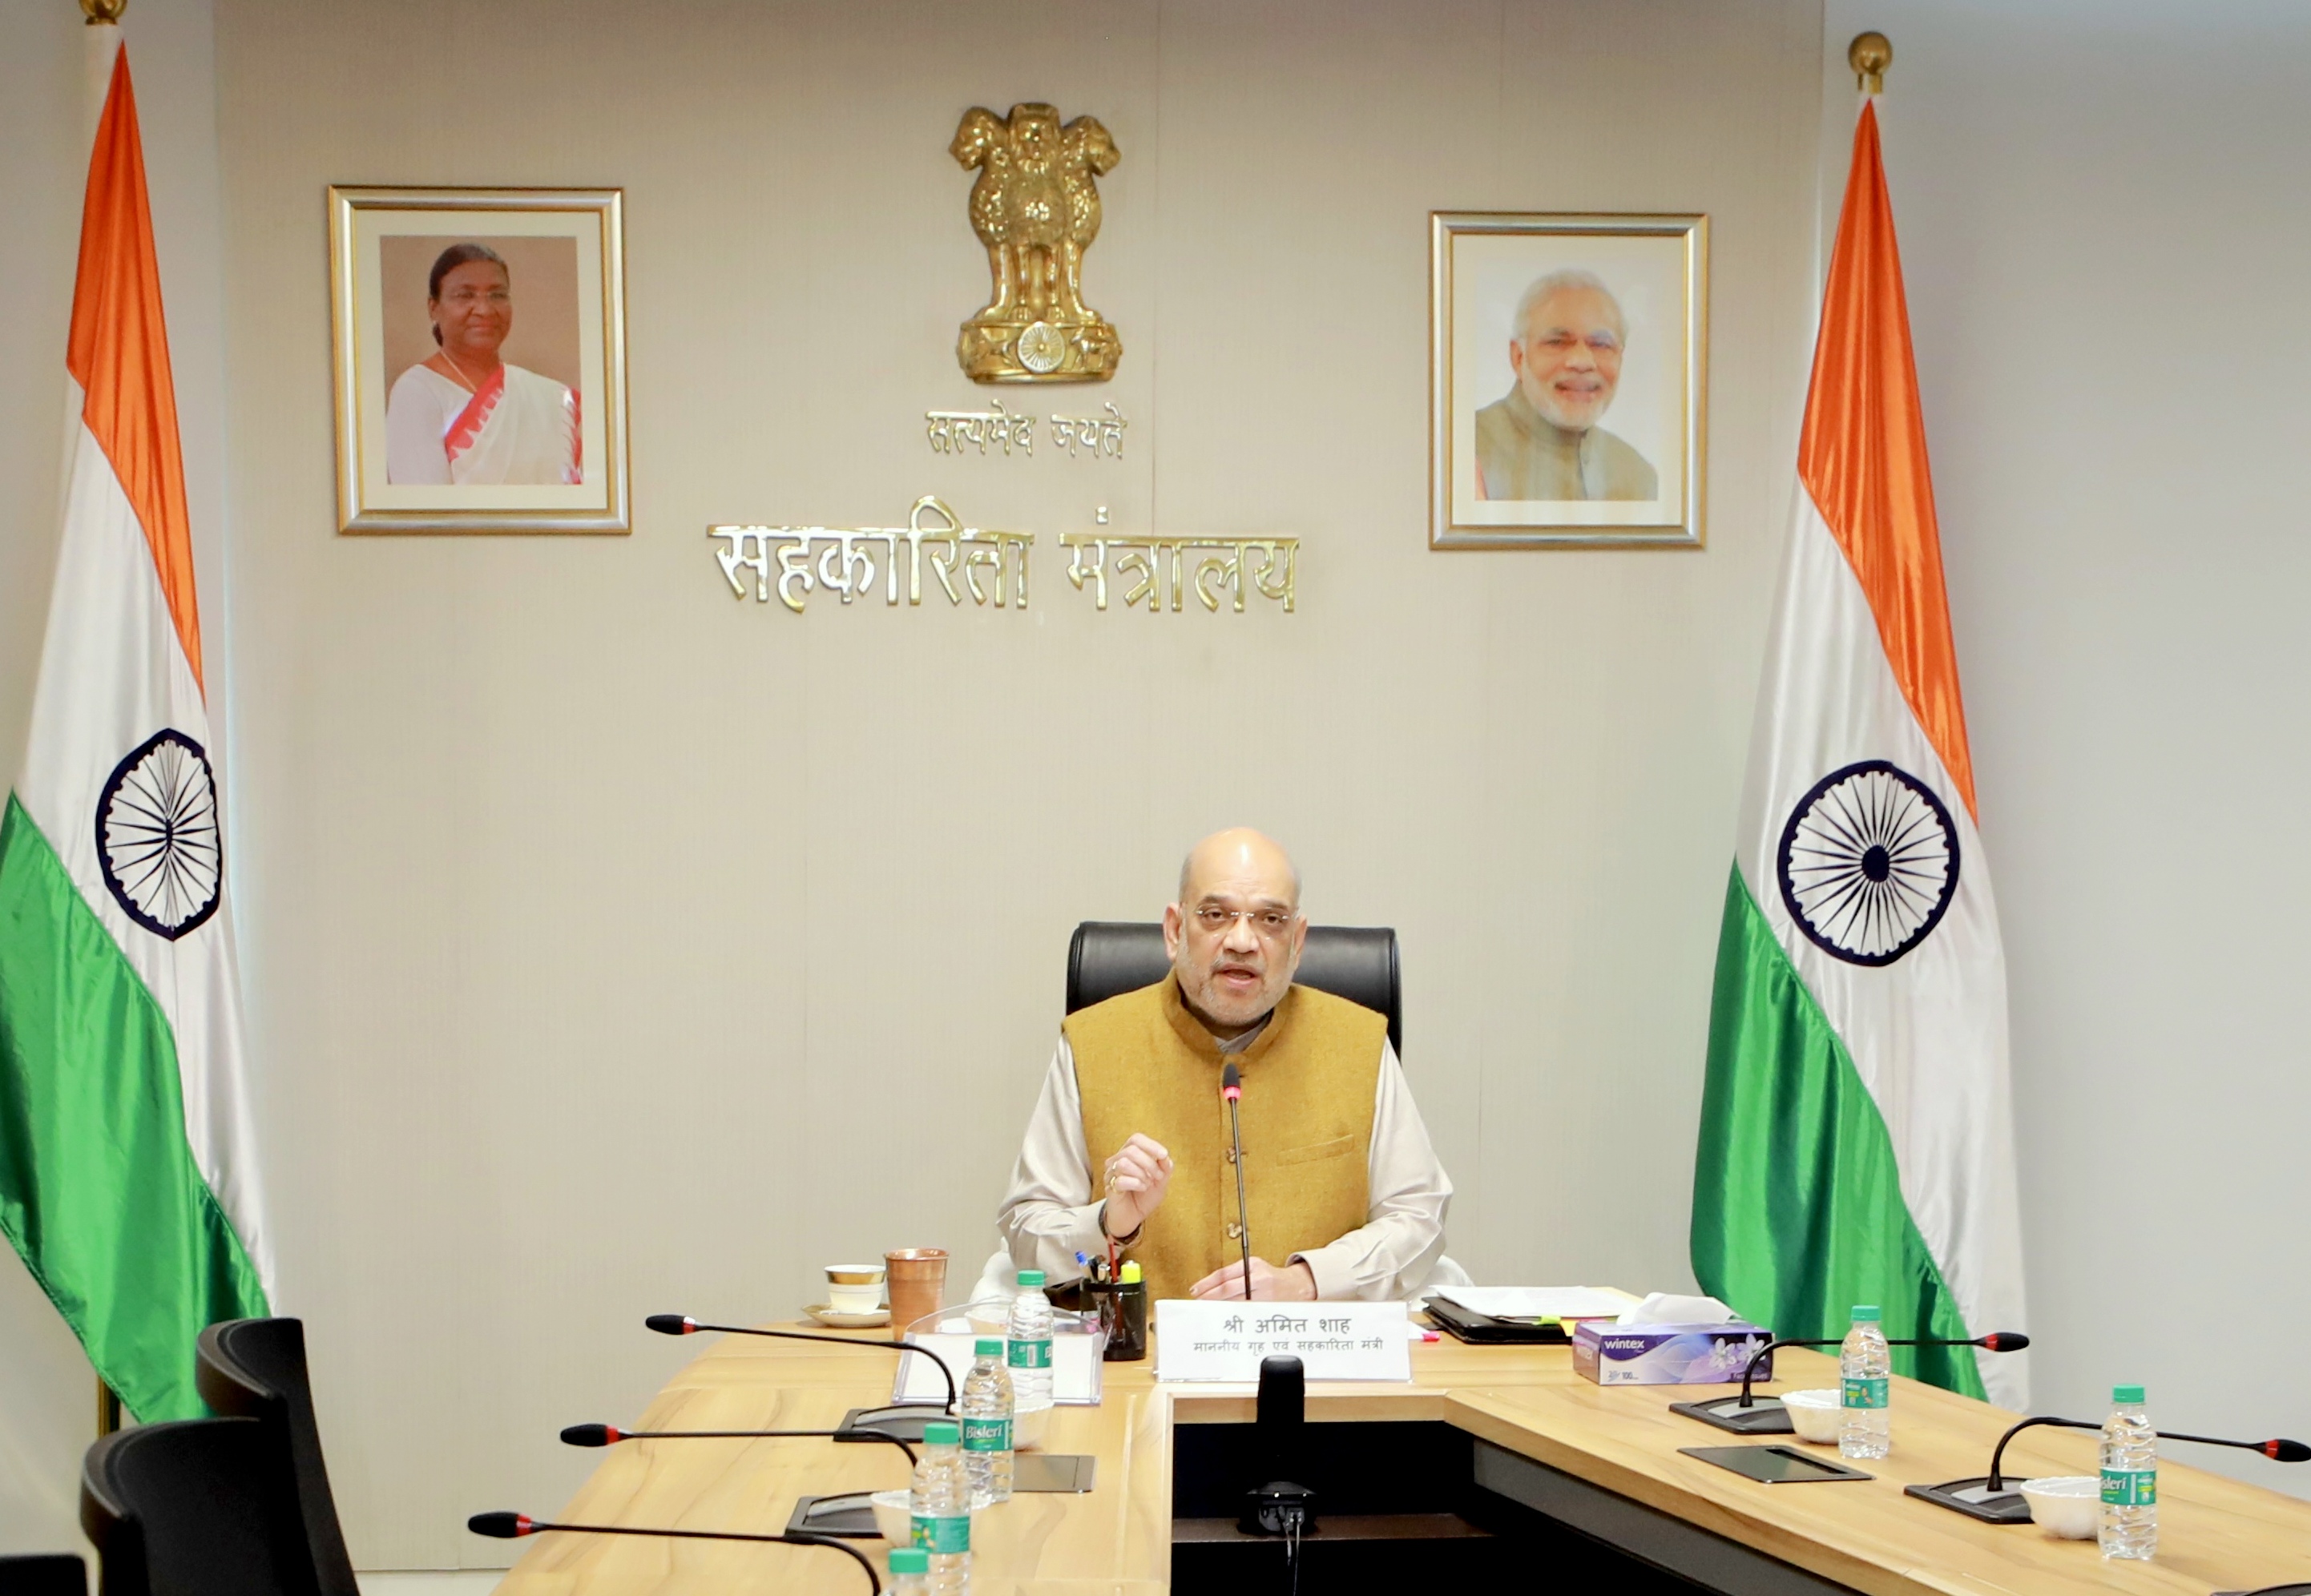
[519,428]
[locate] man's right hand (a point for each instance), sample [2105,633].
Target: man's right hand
[1136,1178]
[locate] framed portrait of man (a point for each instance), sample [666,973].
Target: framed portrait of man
[1568,380]
[481,359]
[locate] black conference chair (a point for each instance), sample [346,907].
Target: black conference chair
[44,1573]
[254,1368]
[192,1508]
[1108,957]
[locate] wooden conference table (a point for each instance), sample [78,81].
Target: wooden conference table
[1605,1460]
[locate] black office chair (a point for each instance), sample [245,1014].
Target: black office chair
[254,1368]
[44,1573]
[1108,957]
[192,1508]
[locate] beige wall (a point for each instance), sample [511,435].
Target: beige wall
[611,946]
[614,946]
[602,933]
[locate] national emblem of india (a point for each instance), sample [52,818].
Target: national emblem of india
[1036,208]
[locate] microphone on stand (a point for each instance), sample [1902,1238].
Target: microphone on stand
[682,1325]
[1765,1415]
[610,1435]
[513,1526]
[1232,1092]
[1988,1498]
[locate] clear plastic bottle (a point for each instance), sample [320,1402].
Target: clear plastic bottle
[1030,1338]
[2130,1478]
[1865,1426]
[941,1506]
[910,1573]
[987,1406]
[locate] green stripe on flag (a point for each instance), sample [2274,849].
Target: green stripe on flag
[97,1187]
[1797,1207]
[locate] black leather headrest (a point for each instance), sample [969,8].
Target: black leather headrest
[1109,957]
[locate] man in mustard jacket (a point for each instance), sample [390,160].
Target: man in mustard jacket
[1130,1139]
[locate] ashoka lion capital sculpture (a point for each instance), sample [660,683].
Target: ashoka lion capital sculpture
[1036,208]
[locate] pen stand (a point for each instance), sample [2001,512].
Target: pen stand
[1122,1315]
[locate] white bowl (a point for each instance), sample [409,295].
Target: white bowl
[1814,1415]
[1029,1426]
[894,1516]
[2067,1506]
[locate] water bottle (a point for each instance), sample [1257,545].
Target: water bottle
[1865,1365]
[987,1424]
[910,1573]
[941,1506]
[1030,1337]
[2129,1477]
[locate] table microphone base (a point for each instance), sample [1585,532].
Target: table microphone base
[1765,1415]
[1975,1499]
[903,1419]
[849,1516]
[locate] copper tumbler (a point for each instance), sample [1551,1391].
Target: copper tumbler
[917,1277]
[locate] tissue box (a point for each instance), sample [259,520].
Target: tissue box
[1669,1354]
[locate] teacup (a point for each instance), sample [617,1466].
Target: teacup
[854,1288]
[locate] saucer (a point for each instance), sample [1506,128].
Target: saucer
[825,1315]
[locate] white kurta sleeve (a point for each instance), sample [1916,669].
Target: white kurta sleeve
[1050,1213]
[1394,1254]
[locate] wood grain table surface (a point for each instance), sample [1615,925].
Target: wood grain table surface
[2215,1533]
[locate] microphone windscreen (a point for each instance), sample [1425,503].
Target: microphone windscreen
[668,1324]
[1231,1081]
[2005,1341]
[498,1526]
[589,1435]
[2287,1452]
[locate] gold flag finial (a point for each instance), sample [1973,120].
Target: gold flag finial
[103,12]
[1869,54]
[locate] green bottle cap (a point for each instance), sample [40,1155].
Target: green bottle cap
[1028,1278]
[1865,1313]
[907,1559]
[2126,1396]
[938,1433]
[988,1346]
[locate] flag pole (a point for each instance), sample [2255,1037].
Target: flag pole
[103,22]
[1869,54]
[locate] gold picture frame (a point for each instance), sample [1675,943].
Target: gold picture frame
[529,435]
[1540,325]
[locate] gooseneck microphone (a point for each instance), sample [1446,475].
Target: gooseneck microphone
[682,1325]
[1989,1499]
[1232,1092]
[513,1526]
[610,1435]
[1754,1416]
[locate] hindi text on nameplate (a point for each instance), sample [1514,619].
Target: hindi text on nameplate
[1225,1341]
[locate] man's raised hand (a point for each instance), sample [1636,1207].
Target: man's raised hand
[1136,1180]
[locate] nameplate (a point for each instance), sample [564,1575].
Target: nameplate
[1199,1341]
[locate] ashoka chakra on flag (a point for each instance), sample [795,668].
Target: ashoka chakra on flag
[157,835]
[1869,861]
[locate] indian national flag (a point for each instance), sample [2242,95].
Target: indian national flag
[126,1177]
[1856,1136]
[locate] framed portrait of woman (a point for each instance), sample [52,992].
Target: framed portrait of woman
[1568,380]
[481,359]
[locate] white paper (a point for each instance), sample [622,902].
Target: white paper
[1075,1369]
[1539,1302]
[1661,1308]
[1225,1341]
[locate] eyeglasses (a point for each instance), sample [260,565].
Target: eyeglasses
[1270,924]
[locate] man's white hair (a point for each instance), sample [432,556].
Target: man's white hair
[1571,277]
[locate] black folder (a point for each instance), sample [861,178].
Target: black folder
[1482,1330]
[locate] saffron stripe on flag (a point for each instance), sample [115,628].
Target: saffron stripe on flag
[118,351]
[1863,457]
